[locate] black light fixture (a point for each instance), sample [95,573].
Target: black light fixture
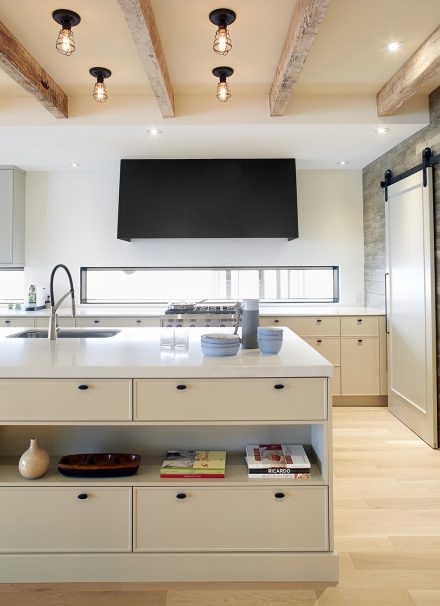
[222,17]
[223,92]
[67,19]
[99,90]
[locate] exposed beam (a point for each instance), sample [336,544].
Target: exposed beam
[28,73]
[142,25]
[306,19]
[423,65]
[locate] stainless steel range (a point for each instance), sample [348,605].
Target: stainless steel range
[187,314]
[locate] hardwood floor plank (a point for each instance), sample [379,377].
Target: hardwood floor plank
[425,597]
[244,597]
[395,561]
[342,596]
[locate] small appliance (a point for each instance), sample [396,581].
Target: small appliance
[36,298]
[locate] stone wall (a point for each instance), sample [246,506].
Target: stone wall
[402,157]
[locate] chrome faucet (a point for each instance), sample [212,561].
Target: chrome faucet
[53,320]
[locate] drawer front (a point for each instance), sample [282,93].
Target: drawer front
[360,366]
[17,322]
[126,322]
[336,381]
[246,519]
[306,326]
[329,347]
[63,322]
[65,400]
[55,519]
[230,399]
[360,326]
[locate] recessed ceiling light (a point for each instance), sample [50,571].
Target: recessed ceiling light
[382,130]
[74,164]
[393,47]
[342,162]
[154,132]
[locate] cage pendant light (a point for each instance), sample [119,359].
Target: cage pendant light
[222,17]
[67,19]
[100,93]
[223,91]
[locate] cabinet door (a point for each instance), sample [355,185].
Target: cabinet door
[16,322]
[246,519]
[360,366]
[230,399]
[65,400]
[65,519]
[6,214]
[329,347]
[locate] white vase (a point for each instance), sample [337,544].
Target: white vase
[34,462]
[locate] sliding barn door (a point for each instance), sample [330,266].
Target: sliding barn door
[412,396]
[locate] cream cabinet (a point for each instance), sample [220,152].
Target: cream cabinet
[16,322]
[360,364]
[117,321]
[142,527]
[12,209]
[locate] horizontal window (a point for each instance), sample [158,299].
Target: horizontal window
[11,284]
[143,285]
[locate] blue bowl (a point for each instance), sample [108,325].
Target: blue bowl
[267,331]
[220,350]
[270,346]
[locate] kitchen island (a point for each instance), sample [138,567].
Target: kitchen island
[122,394]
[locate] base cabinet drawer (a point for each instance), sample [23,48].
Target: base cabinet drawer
[306,326]
[17,322]
[211,519]
[126,322]
[65,400]
[360,366]
[230,399]
[65,519]
[62,321]
[360,326]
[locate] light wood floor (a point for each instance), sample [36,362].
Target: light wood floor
[387,519]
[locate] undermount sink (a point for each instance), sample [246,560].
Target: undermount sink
[67,333]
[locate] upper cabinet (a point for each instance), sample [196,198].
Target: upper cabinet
[12,189]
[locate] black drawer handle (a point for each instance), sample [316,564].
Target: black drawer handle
[279,495]
[318,321]
[279,386]
[319,340]
[360,341]
[180,387]
[96,321]
[138,321]
[7,321]
[83,496]
[83,387]
[180,495]
[359,320]
[276,321]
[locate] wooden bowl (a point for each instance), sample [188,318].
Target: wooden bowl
[99,465]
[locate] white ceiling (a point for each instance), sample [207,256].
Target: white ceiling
[331,115]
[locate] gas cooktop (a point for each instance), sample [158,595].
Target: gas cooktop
[201,309]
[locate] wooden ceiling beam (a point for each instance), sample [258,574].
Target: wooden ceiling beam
[306,19]
[423,65]
[28,73]
[142,25]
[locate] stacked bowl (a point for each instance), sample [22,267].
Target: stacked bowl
[270,340]
[218,344]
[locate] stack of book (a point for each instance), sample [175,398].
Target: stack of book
[194,464]
[276,461]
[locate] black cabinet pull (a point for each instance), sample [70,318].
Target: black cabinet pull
[83,496]
[138,321]
[83,387]
[360,341]
[359,320]
[319,341]
[279,495]
[279,386]
[96,321]
[276,321]
[181,387]
[180,495]
[7,321]
[318,321]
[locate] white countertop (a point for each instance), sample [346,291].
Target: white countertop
[135,352]
[275,310]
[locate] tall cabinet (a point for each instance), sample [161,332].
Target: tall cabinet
[12,190]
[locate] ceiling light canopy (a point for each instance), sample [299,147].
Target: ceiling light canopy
[222,17]
[100,93]
[223,92]
[67,19]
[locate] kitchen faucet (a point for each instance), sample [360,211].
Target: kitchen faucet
[53,320]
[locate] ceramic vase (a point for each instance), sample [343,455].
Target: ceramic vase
[34,462]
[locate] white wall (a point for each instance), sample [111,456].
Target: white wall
[71,218]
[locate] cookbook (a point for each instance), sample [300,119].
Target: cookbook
[194,464]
